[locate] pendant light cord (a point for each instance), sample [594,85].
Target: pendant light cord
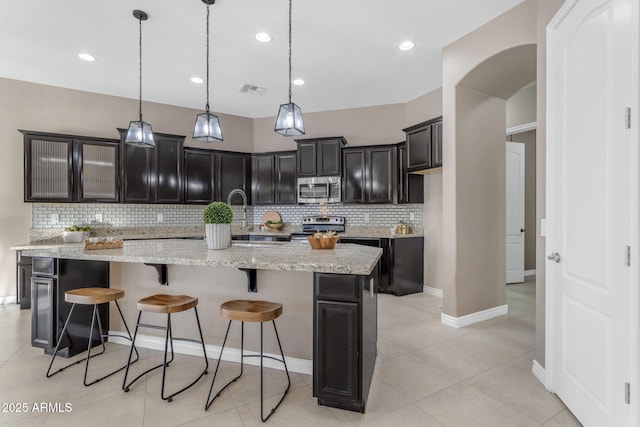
[290,51]
[140,68]
[207,107]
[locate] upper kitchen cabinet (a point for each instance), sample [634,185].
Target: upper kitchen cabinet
[153,174]
[200,172]
[274,178]
[369,174]
[424,145]
[410,186]
[234,172]
[68,168]
[320,156]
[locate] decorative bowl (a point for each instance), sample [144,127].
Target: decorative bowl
[322,242]
[74,236]
[274,226]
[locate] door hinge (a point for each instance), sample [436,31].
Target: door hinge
[627,256]
[627,393]
[627,118]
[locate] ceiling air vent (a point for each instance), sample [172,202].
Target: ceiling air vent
[252,90]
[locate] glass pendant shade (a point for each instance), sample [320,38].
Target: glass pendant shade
[207,128]
[289,120]
[140,134]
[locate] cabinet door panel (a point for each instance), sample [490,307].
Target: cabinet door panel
[354,176]
[199,173]
[168,170]
[419,148]
[42,312]
[436,144]
[329,158]
[286,187]
[307,159]
[98,166]
[137,179]
[48,168]
[235,172]
[336,367]
[264,184]
[381,175]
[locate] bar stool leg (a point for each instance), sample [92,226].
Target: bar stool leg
[261,382]
[55,350]
[125,387]
[224,342]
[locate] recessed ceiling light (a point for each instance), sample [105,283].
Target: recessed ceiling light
[406,45]
[298,82]
[86,57]
[263,37]
[197,80]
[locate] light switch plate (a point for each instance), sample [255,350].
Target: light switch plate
[98,217]
[55,218]
[160,217]
[366,217]
[543,227]
[412,216]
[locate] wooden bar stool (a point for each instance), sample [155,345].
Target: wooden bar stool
[95,297]
[166,304]
[251,311]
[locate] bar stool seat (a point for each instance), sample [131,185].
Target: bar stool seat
[92,296]
[254,312]
[250,311]
[166,304]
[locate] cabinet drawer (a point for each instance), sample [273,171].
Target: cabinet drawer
[43,267]
[337,287]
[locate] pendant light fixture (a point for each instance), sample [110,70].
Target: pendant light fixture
[289,120]
[139,133]
[207,126]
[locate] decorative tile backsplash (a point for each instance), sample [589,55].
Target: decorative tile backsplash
[60,215]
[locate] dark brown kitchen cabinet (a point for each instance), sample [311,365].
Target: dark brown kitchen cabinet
[410,186]
[370,174]
[152,174]
[320,156]
[286,178]
[274,178]
[69,168]
[200,172]
[424,145]
[51,278]
[234,172]
[23,280]
[345,336]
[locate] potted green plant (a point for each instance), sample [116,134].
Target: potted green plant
[217,218]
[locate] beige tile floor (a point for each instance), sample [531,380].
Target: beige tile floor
[427,374]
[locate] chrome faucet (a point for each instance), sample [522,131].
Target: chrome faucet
[244,204]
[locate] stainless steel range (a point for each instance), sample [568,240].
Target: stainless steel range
[311,224]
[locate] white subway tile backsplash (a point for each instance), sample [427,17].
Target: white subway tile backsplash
[124,215]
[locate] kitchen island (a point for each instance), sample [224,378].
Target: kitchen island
[329,299]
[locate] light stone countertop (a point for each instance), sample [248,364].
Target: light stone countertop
[284,256]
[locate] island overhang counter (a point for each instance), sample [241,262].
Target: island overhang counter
[329,325]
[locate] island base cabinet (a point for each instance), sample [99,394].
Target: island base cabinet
[345,339]
[51,278]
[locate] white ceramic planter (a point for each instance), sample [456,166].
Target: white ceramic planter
[218,235]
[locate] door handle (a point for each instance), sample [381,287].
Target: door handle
[522,230]
[555,256]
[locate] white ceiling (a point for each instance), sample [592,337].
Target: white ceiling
[345,50]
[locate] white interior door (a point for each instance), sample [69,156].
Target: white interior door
[515,212]
[591,205]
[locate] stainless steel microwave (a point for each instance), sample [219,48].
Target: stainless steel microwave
[320,189]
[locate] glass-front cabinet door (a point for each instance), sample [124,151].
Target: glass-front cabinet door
[97,171]
[48,168]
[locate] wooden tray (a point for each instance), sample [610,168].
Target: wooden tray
[104,243]
[272,216]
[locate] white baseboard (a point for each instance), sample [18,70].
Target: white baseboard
[530,272]
[469,319]
[301,366]
[539,372]
[11,299]
[433,291]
